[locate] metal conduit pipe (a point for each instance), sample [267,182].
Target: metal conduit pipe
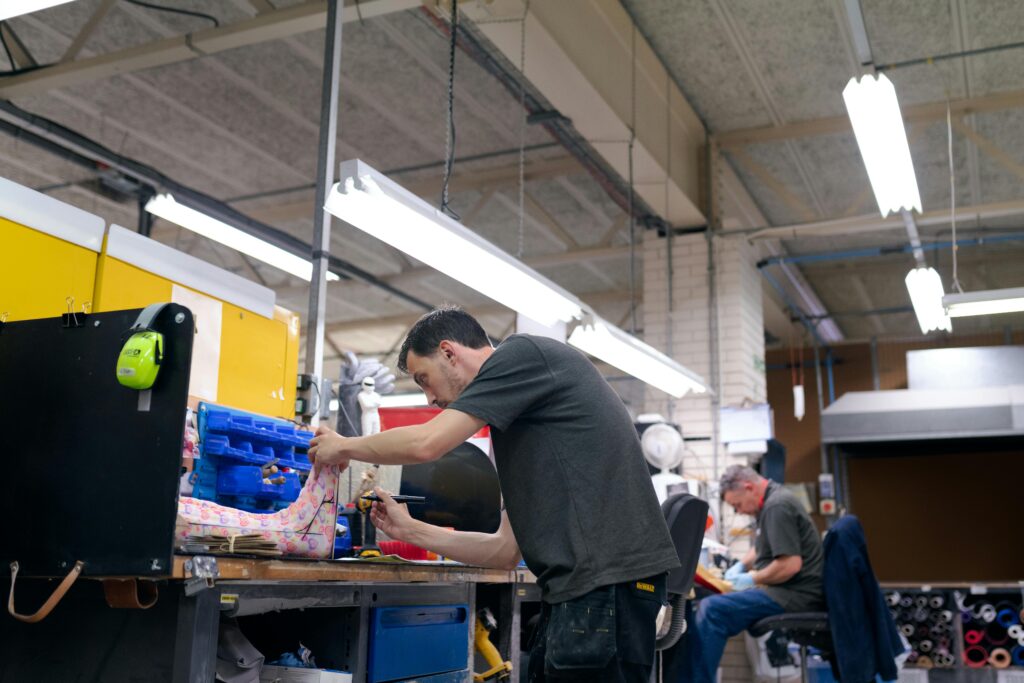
[59,139]
[560,128]
[869,252]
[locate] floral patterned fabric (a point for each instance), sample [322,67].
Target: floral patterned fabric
[305,528]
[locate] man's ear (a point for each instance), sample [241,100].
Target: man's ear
[447,350]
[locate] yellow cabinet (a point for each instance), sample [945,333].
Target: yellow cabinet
[245,354]
[48,253]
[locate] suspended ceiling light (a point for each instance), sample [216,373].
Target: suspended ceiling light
[989,302]
[13,8]
[393,401]
[925,287]
[878,125]
[404,400]
[164,206]
[603,340]
[372,202]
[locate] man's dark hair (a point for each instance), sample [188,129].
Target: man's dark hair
[448,322]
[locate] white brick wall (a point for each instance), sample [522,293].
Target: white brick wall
[740,331]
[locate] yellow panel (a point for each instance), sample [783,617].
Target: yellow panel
[291,361]
[38,272]
[258,356]
[120,286]
[253,356]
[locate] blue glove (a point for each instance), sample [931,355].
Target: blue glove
[732,572]
[744,581]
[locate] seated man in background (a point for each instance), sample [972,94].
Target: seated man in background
[785,564]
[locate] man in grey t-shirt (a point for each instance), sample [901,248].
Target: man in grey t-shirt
[785,564]
[580,508]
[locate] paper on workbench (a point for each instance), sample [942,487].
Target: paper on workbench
[395,559]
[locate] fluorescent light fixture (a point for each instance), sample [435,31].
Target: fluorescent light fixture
[13,8]
[989,302]
[404,400]
[603,340]
[418,399]
[925,287]
[164,206]
[380,207]
[877,123]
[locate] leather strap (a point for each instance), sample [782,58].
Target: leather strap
[130,594]
[51,601]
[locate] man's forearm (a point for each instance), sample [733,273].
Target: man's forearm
[398,446]
[776,572]
[477,549]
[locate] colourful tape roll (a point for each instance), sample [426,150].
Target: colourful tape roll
[925,646]
[1007,618]
[1017,654]
[999,658]
[973,636]
[996,634]
[975,656]
[937,602]
[1015,631]
[924,662]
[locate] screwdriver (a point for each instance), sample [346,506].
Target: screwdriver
[372,497]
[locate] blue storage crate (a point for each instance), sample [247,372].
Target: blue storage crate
[247,481]
[233,446]
[409,642]
[266,438]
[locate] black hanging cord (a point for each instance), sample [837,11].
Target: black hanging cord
[450,133]
[6,48]
[14,70]
[176,10]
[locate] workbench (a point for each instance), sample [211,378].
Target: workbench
[325,604]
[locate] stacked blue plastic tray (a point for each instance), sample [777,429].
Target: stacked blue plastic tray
[234,446]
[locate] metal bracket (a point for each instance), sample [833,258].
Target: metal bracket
[201,571]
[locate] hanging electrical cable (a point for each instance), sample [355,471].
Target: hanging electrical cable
[449,143]
[176,10]
[670,272]
[3,40]
[632,220]
[522,131]
[952,192]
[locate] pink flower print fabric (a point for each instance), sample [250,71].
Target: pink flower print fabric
[305,528]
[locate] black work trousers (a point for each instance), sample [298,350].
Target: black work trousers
[604,636]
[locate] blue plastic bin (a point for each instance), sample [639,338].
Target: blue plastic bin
[247,481]
[232,438]
[407,642]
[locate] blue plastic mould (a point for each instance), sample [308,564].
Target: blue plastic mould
[234,445]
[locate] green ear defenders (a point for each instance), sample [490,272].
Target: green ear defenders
[141,355]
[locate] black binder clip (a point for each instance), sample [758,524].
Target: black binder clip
[72,319]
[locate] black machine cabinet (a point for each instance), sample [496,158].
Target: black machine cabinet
[91,471]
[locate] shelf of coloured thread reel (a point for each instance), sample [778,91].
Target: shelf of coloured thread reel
[236,451]
[953,629]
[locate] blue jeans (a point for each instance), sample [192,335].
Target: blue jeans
[719,618]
